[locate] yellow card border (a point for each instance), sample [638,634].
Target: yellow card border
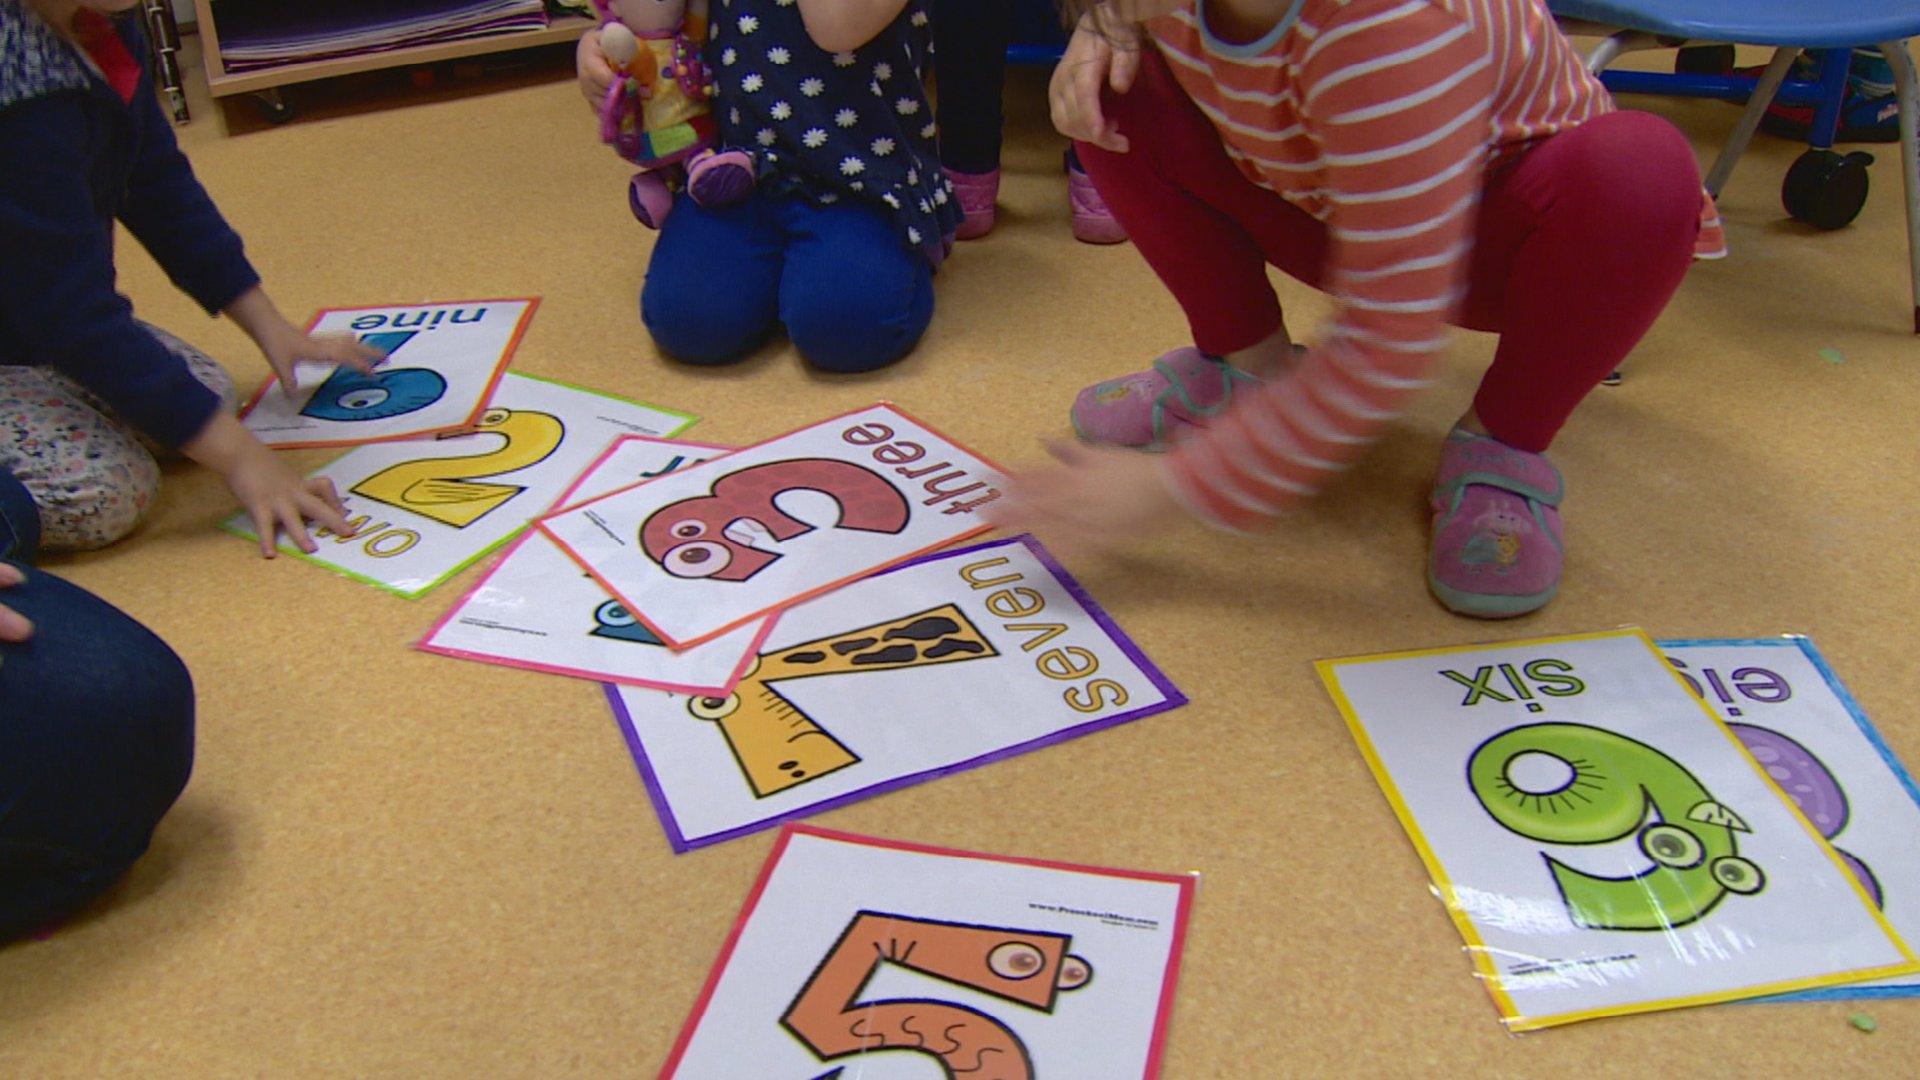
[1478,950]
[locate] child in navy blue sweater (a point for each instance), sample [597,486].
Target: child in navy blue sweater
[87,391]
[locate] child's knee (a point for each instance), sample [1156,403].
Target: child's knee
[1643,171]
[700,324]
[855,330]
[94,503]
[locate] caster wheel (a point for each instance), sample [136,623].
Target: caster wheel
[1826,190]
[1704,60]
[274,108]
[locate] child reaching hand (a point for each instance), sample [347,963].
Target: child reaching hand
[851,214]
[85,388]
[1424,162]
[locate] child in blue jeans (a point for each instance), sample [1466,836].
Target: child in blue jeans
[852,213]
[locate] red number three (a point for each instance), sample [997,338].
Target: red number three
[713,536]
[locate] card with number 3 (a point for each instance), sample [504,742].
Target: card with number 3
[712,547]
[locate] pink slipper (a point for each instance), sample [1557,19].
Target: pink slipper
[1496,546]
[720,179]
[976,192]
[1149,410]
[1093,223]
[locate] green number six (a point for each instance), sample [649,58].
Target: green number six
[1613,782]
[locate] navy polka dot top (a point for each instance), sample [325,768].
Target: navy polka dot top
[835,126]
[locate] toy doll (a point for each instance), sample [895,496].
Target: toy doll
[657,113]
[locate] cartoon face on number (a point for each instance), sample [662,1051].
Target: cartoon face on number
[727,535]
[351,395]
[1571,784]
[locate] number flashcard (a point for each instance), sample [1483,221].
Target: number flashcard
[425,510]
[943,664]
[724,543]
[443,364]
[1801,724]
[537,609]
[893,961]
[1598,836]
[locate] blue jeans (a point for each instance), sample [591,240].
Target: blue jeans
[96,737]
[851,294]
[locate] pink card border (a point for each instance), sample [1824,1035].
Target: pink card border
[1156,1049]
[775,608]
[425,644]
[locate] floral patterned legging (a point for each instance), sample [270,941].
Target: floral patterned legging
[92,475]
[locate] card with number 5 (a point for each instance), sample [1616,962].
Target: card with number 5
[883,959]
[709,548]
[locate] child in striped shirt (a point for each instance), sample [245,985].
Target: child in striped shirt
[1424,162]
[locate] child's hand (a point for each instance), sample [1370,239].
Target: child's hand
[275,497]
[1102,52]
[14,627]
[285,345]
[287,348]
[1095,499]
[595,74]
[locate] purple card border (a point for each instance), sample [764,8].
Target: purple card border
[1174,700]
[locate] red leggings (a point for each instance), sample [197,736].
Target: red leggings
[1581,240]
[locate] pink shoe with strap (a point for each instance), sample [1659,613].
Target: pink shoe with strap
[977,193]
[1093,223]
[1151,409]
[1496,546]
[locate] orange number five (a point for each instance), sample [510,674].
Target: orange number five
[1025,967]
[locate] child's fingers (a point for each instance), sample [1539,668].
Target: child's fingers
[323,506]
[323,489]
[265,529]
[1126,64]
[10,575]
[14,627]
[292,518]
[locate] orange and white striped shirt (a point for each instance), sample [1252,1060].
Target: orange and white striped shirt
[1380,118]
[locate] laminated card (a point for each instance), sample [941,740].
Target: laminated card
[1603,842]
[537,609]
[1799,722]
[721,544]
[949,662]
[855,956]
[443,364]
[428,508]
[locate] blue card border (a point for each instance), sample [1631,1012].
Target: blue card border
[1900,773]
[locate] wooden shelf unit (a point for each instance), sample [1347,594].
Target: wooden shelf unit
[563,29]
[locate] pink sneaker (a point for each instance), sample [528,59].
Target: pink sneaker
[1496,545]
[1149,410]
[720,179]
[1093,223]
[977,192]
[650,199]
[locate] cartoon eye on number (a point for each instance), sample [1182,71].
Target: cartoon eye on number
[1570,784]
[613,620]
[1024,968]
[724,536]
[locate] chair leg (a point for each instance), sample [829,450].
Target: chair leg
[1763,94]
[1908,84]
[1613,45]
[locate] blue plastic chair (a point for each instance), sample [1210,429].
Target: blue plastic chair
[1790,26]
